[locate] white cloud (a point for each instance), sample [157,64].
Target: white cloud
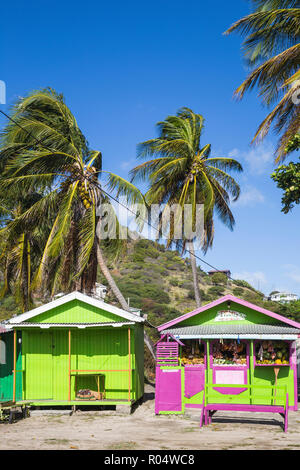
[249,197]
[256,279]
[259,158]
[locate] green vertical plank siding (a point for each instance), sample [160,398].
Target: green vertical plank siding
[99,349]
[76,311]
[6,370]
[208,317]
[60,364]
[38,375]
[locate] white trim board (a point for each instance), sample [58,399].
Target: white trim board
[231,336]
[70,325]
[76,296]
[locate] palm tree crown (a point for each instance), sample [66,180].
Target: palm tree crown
[272,50]
[183,172]
[43,150]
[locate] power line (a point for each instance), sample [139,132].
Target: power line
[29,133]
[114,198]
[152,226]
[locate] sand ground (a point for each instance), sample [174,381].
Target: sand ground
[142,429]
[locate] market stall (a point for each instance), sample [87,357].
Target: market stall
[229,353]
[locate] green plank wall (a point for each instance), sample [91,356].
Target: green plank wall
[75,311]
[207,317]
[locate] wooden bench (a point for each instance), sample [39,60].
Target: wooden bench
[210,407]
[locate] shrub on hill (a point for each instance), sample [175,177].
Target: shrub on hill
[219,278]
[216,291]
[238,291]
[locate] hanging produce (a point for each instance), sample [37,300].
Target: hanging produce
[229,352]
[272,352]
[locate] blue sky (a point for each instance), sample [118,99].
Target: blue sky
[123,66]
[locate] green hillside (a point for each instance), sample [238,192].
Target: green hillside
[159,281]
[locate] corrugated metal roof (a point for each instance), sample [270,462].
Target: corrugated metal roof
[206,330]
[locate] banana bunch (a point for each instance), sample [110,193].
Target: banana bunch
[84,194]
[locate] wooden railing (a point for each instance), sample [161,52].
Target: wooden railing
[275,398]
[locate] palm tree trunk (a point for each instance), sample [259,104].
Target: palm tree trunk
[25,283]
[195,274]
[119,296]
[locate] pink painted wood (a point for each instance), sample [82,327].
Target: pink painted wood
[293,361]
[194,380]
[231,378]
[230,375]
[213,407]
[168,391]
[167,353]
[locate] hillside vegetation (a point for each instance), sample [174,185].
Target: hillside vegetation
[159,281]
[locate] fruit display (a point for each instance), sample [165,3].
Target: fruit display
[229,353]
[272,352]
[192,353]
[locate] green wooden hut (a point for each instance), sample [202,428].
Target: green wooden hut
[78,350]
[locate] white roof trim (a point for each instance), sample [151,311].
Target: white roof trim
[241,336]
[69,325]
[76,296]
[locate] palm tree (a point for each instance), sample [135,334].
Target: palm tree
[43,149]
[20,249]
[182,172]
[272,51]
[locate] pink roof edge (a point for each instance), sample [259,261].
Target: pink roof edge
[223,299]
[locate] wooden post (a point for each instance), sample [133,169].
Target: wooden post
[15,365]
[251,372]
[129,368]
[207,371]
[69,395]
[276,370]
